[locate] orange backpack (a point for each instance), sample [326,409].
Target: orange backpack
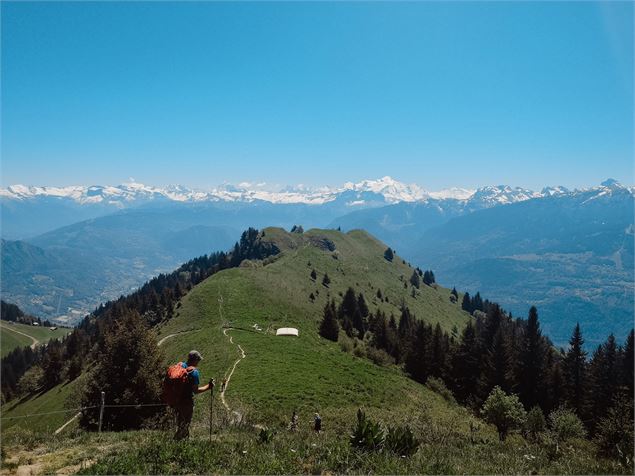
[176,384]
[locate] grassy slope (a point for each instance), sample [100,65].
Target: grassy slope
[9,340]
[58,398]
[308,373]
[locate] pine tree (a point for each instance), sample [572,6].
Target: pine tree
[454,292]
[465,365]
[406,323]
[362,306]
[418,359]
[53,364]
[497,365]
[326,280]
[439,353]
[329,328]
[313,275]
[603,375]
[574,370]
[129,370]
[466,304]
[531,370]
[388,254]
[414,280]
[628,365]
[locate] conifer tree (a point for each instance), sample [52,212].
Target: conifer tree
[604,379]
[362,306]
[406,323]
[414,279]
[130,370]
[326,280]
[574,369]
[329,328]
[466,304]
[313,275]
[418,359]
[388,254]
[439,353]
[465,365]
[497,366]
[531,370]
[628,366]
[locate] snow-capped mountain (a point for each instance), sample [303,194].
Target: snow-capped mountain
[386,189]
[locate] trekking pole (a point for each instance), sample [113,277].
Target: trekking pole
[211,410]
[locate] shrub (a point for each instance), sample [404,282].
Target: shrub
[535,424]
[565,425]
[266,435]
[367,435]
[504,411]
[359,350]
[615,431]
[437,385]
[379,356]
[31,381]
[401,441]
[346,344]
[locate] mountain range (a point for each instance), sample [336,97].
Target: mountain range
[568,251]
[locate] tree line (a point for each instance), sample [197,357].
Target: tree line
[12,313]
[494,350]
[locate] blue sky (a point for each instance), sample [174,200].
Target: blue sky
[441,94]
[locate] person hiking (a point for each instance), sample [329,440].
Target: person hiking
[294,422]
[180,388]
[318,423]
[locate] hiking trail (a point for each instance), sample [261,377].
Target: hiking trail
[169,336]
[242,356]
[35,341]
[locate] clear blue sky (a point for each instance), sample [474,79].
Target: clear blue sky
[458,94]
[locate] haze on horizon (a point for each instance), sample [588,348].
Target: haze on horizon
[198,94]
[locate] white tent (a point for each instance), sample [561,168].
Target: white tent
[287,331]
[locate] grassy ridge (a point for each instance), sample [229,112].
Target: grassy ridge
[308,373]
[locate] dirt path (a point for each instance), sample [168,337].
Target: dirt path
[169,336]
[35,341]
[242,356]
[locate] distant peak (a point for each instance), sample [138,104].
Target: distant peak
[609,182]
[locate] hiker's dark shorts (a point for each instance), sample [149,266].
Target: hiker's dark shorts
[184,413]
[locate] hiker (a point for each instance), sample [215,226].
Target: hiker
[223,384]
[318,423]
[294,422]
[180,386]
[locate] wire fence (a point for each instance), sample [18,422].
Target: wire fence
[70,410]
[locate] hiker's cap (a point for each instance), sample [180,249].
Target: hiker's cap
[194,355]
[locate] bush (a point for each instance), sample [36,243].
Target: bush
[615,431]
[346,344]
[504,411]
[379,356]
[31,381]
[401,441]
[367,435]
[437,385]
[535,424]
[359,350]
[265,435]
[565,425]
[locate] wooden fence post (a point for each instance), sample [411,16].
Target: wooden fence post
[101,409]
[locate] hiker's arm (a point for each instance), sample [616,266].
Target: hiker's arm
[204,388]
